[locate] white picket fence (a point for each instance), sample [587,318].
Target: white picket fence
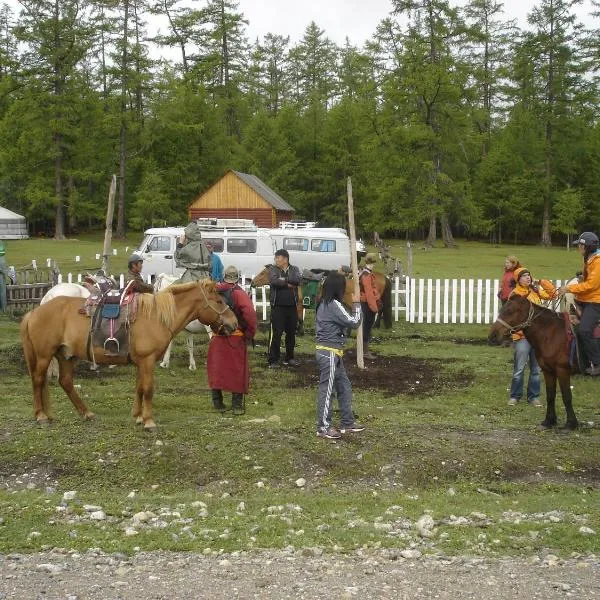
[414,300]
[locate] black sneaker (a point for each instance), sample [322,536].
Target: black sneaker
[354,428]
[292,362]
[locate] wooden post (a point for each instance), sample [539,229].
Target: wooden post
[360,360]
[109,219]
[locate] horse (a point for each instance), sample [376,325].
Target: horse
[383,283]
[58,328]
[546,331]
[162,282]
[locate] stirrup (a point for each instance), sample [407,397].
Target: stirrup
[111,351]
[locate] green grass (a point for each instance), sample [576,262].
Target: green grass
[469,260]
[454,451]
[20,253]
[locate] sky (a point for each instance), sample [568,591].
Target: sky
[355,19]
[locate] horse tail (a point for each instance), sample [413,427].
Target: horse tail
[387,303]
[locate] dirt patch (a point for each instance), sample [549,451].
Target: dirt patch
[391,375]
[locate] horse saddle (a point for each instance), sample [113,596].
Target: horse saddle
[111,317]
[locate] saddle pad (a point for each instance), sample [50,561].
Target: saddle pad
[110,311]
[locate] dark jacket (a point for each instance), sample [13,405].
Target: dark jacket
[281,293]
[138,285]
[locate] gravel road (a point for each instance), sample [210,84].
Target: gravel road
[305,573]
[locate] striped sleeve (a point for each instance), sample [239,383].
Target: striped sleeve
[345,317]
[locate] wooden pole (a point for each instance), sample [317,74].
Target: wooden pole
[110,209]
[360,360]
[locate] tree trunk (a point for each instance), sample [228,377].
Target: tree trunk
[447,233]
[432,235]
[120,233]
[59,222]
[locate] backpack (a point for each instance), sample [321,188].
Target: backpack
[228,299]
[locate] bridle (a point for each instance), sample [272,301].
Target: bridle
[530,317]
[210,305]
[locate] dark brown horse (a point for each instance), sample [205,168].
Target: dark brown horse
[546,332]
[58,329]
[383,283]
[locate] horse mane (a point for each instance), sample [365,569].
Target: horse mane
[161,305]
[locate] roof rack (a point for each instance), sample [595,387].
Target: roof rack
[206,223]
[297,224]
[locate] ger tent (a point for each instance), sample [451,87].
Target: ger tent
[12,225]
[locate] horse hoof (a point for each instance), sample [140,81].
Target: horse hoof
[89,416]
[547,425]
[570,426]
[43,422]
[192,368]
[139,421]
[163,365]
[150,427]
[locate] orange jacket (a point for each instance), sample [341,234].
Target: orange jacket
[544,290]
[589,289]
[368,290]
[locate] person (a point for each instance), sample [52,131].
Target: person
[191,254]
[4,278]
[216,264]
[370,300]
[331,324]
[227,358]
[508,280]
[284,280]
[587,294]
[134,274]
[534,292]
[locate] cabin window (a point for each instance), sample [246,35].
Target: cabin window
[216,242]
[295,243]
[159,243]
[322,245]
[241,246]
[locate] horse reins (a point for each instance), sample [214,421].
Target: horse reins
[209,305]
[530,317]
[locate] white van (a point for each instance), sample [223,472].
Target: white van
[314,247]
[247,248]
[240,243]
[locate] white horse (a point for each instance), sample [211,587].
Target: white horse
[163,281]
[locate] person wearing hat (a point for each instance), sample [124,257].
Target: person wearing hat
[587,294]
[534,292]
[192,255]
[227,359]
[370,301]
[134,274]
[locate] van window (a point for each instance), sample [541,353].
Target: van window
[241,246]
[216,242]
[295,243]
[159,243]
[322,245]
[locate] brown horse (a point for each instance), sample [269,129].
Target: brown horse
[546,331]
[383,284]
[58,329]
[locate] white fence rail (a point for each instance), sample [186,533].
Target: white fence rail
[413,300]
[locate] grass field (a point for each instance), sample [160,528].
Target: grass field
[445,445]
[469,260]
